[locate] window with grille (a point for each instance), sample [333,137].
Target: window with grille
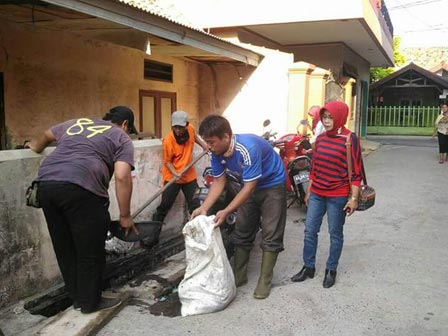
[158,71]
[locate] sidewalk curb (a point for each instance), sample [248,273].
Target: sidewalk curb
[75,323]
[367,147]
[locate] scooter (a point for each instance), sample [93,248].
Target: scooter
[294,150]
[299,177]
[233,186]
[269,135]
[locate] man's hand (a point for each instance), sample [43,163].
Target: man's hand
[198,212]
[221,217]
[127,223]
[39,144]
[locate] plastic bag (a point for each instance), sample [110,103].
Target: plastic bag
[208,285]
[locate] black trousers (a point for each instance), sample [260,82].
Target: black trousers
[443,142]
[170,194]
[78,221]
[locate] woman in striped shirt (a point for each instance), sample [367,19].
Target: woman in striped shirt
[330,191]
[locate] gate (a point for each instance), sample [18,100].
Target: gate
[401,120]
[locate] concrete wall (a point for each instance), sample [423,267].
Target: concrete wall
[54,76]
[248,96]
[332,57]
[278,89]
[27,262]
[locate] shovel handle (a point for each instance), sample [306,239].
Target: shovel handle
[174,179]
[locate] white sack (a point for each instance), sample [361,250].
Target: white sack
[208,285]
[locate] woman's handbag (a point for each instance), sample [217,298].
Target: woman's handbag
[32,196]
[367,194]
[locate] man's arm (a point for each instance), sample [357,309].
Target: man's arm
[123,191]
[39,144]
[168,157]
[171,168]
[213,194]
[200,142]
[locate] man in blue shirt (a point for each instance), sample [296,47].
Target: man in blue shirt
[260,203]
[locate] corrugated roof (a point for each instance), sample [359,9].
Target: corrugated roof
[163,8]
[167,10]
[442,65]
[411,66]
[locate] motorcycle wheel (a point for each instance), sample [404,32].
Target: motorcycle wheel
[302,192]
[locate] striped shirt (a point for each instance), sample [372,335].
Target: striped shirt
[329,169]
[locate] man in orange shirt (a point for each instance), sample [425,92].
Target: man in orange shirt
[177,154]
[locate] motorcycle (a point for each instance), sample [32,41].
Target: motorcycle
[232,187]
[269,136]
[294,150]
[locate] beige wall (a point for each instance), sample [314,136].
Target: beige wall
[332,57]
[52,76]
[221,83]
[261,93]
[306,89]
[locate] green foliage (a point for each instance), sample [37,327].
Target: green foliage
[399,58]
[377,73]
[427,58]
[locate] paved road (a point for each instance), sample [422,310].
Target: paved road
[391,279]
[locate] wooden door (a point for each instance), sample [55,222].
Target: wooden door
[155,111]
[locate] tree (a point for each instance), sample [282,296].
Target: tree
[377,73]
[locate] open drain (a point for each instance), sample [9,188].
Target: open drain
[119,270]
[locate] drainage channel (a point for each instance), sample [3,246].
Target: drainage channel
[119,271]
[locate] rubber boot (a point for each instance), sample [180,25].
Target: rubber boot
[267,272]
[240,261]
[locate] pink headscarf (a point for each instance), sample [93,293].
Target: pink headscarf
[314,112]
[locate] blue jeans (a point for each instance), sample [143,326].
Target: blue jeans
[317,207]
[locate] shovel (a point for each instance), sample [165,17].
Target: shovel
[148,230]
